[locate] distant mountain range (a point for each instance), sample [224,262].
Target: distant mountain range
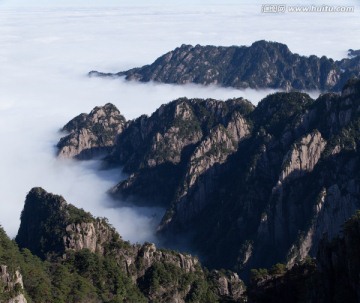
[261,65]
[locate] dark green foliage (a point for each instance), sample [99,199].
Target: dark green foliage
[78,215]
[10,257]
[278,269]
[82,277]
[300,284]
[109,281]
[259,274]
[37,280]
[162,276]
[67,276]
[279,111]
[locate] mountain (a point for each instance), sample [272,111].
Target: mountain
[94,264]
[91,134]
[261,65]
[87,253]
[247,186]
[159,148]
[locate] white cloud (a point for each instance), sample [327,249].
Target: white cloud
[46,53]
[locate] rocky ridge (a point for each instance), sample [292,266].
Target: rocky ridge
[156,148]
[91,134]
[248,186]
[261,65]
[78,231]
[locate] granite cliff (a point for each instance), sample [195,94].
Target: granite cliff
[91,134]
[248,186]
[159,147]
[261,65]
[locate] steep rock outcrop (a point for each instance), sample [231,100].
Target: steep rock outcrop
[155,150]
[91,134]
[261,65]
[212,151]
[88,235]
[161,275]
[303,156]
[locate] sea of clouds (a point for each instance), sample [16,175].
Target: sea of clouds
[47,48]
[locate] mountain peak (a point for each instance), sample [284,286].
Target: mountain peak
[91,134]
[43,217]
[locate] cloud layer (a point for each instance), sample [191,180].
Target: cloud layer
[47,51]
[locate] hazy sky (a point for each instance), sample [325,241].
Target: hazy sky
[47,48]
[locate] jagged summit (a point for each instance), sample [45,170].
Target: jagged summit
[264,64]
[91,134]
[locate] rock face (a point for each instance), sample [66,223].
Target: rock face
[254,186]
[303,156]
[289,180]
[11,285]
[248,187]
[91,134]
[332,277]
[261,65]
[155,150]
[88,235]
[161,275]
